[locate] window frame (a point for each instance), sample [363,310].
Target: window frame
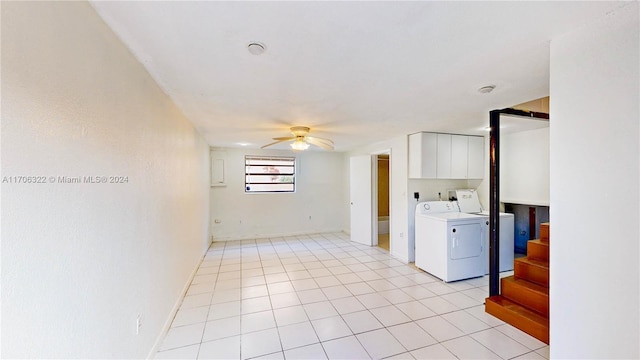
[278,163]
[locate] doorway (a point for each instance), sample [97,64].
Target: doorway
[369,195]
[382,185]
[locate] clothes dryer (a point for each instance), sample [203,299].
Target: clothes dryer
[469,203]
[449,244]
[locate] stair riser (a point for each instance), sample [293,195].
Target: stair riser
[529,298]
[525,324]
[535,274]
[544,232]
[524,298]
[538,251]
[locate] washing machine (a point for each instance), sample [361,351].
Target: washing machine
[468,202]
[449,244]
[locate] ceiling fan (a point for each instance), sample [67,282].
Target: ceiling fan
[301,141]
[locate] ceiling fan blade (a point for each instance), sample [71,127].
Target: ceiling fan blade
[276,142]
[323,143]
[326,141]
[285,138]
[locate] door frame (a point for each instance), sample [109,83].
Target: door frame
[374,191]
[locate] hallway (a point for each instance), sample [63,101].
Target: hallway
[322,296]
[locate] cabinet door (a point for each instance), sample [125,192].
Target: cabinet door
[443,164]
[415,156]
[429,155]
[476,164]
[459,156]
[422,156]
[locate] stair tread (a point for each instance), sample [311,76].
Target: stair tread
[519,309]
[539,241]
[528,284]
[535,262]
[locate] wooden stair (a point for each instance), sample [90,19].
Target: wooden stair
[524,298]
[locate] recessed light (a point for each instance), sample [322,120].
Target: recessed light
[243,144]
[486,89]
[256,48]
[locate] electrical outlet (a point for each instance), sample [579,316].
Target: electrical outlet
[138,323]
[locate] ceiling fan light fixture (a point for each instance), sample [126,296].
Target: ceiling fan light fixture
[299,145]
[301,141]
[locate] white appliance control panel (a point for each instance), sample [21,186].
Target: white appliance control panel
[436,207]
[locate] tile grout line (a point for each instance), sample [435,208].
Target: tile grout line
[306,249]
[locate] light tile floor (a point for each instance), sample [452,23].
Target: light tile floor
[322,296]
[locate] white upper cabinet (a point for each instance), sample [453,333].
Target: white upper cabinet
[445,156]
[459,156]
[422,167]
[475,165]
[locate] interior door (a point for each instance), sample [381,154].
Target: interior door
[360,192]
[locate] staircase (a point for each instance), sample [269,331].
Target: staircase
[524,301]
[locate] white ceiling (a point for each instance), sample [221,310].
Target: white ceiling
[355,72]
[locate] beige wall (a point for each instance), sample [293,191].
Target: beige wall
[80,261]
[383,186]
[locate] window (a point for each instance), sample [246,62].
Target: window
[269,174]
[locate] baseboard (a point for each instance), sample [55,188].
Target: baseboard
[273,235]
[174,310]
[400,258]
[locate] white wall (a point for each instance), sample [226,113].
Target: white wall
[316,206]
[401,244]
[401,240]
[594,161]
[524,167]
[81,261]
